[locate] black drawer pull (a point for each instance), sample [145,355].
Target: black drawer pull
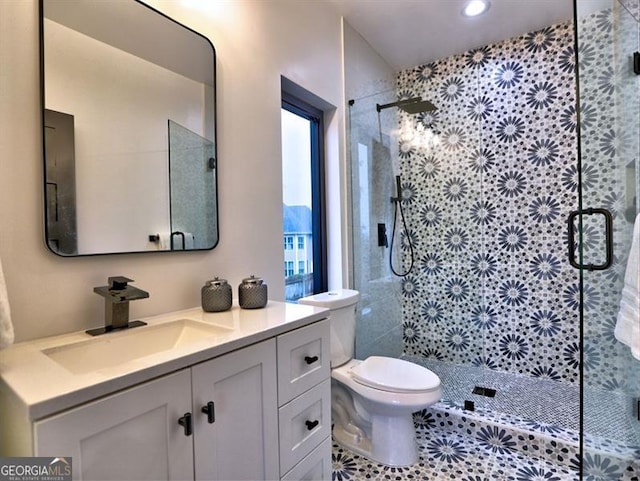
[210,411]
[185,421]
[311,424]
[310,359]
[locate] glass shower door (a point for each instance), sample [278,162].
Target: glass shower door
[373,161]
[609,99]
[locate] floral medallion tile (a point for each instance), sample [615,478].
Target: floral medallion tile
[486,195]
[488,203]
[445,455]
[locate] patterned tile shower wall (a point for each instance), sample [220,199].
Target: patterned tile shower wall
[488,182]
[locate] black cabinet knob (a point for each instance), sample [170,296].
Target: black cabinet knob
[210,411]
[311,424]
[310,359]
[185,421]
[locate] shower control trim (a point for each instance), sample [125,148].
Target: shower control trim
[382,236]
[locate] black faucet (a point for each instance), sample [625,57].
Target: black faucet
[117,296]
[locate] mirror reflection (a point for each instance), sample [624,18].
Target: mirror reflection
[129,130]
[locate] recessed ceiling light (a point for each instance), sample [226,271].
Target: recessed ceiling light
[475,8]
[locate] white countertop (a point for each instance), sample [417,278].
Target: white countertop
[45,387]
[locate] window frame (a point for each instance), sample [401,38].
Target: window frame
[315,116]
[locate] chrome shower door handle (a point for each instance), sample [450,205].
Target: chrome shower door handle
[608,239]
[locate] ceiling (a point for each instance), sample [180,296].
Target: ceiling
[407,33]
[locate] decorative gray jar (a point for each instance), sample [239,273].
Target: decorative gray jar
[252,293]
[216,295]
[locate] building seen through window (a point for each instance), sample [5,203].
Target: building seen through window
[303,193]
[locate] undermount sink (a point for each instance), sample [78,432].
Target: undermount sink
[115,349]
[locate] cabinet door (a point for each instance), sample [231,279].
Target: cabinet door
[242,441]
[130,435]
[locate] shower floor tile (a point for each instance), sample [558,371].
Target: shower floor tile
[550,403]
[445,455]
[546,401]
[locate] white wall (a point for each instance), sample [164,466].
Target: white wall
[256,43]
[365,71]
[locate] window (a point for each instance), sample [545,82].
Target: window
[303,196]
[288,243]
[288,268]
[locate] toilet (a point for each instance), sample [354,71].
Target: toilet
[372,400]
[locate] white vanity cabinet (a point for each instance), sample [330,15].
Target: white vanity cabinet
[304,397]
[259,412]
[130,435]
[137,435]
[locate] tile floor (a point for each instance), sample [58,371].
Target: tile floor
[497,442]
[445,455]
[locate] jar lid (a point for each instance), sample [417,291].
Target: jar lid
[253,280]
[217,282]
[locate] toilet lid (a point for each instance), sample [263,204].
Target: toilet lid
[395,375]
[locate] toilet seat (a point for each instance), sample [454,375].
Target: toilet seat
[394,375]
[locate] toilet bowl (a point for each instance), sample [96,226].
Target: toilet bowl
[384,405]
[372,400]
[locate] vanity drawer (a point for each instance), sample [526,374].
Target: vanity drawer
[316,466]
[303,360]
[304,423]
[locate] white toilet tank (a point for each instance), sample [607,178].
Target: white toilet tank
[342,303]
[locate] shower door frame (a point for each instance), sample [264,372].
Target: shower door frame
[592,201]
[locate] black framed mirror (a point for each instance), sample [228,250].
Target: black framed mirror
[129,130]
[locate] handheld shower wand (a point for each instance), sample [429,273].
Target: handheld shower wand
[398,197]
[397,202]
